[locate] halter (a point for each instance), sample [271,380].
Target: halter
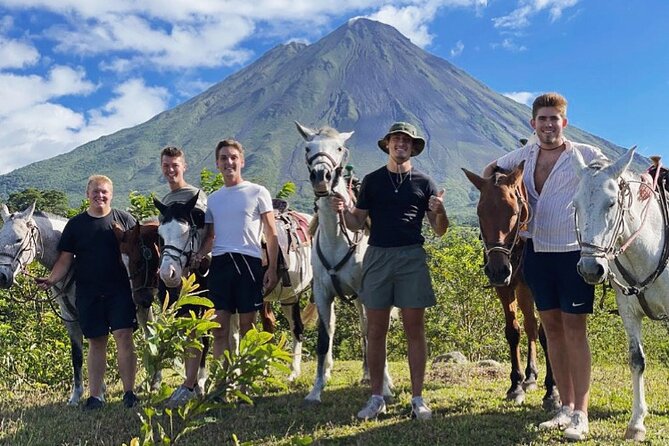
[150,280]
[502,248]
[33,242]
[336,166]
[610,253]
[186,251]
[352,243]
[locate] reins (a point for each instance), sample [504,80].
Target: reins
[181,252]
[610,253]
[341,222]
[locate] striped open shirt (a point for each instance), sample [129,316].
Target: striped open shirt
[552,225]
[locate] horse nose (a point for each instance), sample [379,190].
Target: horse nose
[5,280]
[592,270]
[498,276]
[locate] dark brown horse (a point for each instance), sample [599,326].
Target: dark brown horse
[503,211]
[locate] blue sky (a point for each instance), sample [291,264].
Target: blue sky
[74,70]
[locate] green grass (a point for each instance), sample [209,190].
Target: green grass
[468,410]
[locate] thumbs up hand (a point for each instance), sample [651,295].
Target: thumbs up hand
[436,203]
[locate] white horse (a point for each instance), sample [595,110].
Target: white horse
[337,258]
[625,239]
[27,236]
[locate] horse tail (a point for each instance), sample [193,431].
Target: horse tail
[309,315]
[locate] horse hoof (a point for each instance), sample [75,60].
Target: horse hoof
[389,399]
[635,434]
[311,402]
[518,398]
[529,386]
[551,403]
[72,402]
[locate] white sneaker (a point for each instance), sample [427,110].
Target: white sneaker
[578,428]
[375,406]
[419,409]
[180,397]
[561,420]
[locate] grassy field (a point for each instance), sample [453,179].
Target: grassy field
[468,410]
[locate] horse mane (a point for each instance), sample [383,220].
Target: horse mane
[49,215]
[327,131]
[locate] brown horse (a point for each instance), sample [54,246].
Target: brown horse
[503,211]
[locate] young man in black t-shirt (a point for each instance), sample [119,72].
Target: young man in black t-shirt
[103,295]
[396,197]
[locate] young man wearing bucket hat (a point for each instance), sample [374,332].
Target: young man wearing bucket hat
[396,198]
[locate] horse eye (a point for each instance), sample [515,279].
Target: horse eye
[339,149]
[307,149]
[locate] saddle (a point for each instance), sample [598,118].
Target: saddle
[292,233]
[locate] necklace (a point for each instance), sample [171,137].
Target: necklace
[400,180]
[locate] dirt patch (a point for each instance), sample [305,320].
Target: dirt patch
[463,373]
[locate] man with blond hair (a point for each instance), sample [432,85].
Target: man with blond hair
[551,253]
[103,295]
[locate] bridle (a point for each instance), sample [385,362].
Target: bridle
[31,243]
[144,266]
[335,166]
[332,270]
[508,249]
[609,251]
[175,253]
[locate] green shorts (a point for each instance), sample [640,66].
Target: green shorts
[397,277]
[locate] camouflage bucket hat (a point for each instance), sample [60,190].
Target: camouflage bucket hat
[407,129]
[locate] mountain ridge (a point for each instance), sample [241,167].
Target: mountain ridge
[363,76]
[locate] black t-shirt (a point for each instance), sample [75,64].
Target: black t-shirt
[98,268]
[397,217]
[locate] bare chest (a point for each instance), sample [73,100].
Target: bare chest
[545,163]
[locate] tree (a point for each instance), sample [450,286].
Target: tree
[50,200]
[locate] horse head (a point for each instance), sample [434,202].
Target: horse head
[601,201]
[326,156]
[502,211]
[140,253]
[178,230]
[19,239]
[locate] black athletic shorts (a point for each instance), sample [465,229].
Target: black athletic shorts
[100,314]
[235,283]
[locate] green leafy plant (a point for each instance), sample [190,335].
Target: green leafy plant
[231,379]
[141,206]
[210,181]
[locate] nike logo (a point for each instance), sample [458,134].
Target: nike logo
[577,305]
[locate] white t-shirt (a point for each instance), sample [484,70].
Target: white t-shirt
[235,213]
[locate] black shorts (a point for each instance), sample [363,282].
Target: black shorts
[555,282]
[235,283]
[101,314]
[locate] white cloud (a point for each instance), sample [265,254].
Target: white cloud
[522,15]
[457,49]
[41,130]
[19,92]
[16,54]
[509,45]
[522,97]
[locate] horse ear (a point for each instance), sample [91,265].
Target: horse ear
[578,162]
[616,169]
[190,204]
[4,212]
[306,132]
[159,205]
[345,136]
[28,212]
[476,180]
[516,174]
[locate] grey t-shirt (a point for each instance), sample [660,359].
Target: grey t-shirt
[183,195]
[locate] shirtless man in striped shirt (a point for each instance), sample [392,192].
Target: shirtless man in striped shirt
[551,253]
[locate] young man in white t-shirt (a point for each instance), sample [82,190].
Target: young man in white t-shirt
[237,215]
